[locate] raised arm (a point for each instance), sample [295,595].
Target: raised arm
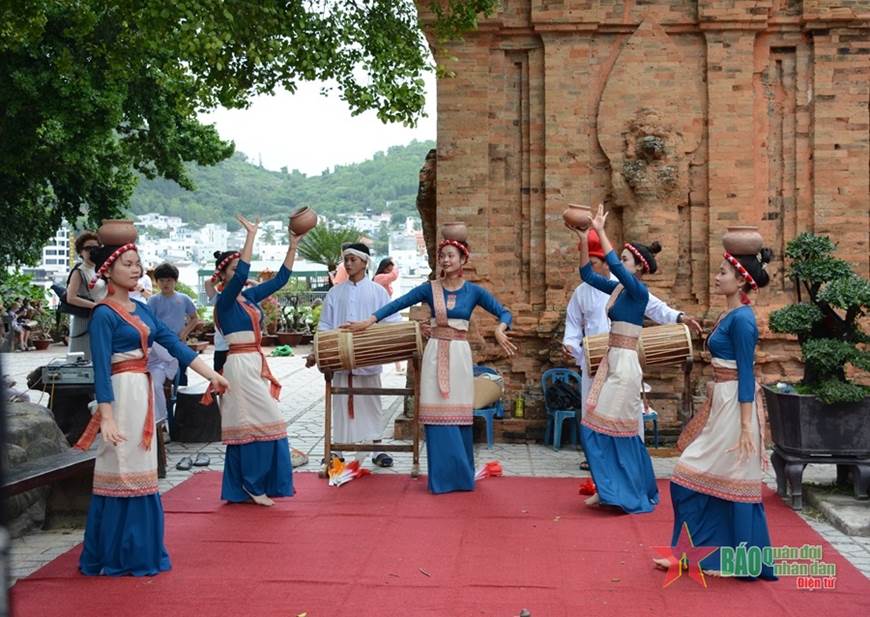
[421,293]
[267,288]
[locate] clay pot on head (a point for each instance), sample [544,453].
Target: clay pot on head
[454,231]
[742,240]
[116,232]
[578,216]
[303,220]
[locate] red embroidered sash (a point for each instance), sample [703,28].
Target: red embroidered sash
[137,365]
[443,333]
[265,373]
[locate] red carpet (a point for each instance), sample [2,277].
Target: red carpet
[384,547]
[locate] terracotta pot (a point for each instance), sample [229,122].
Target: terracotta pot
[454,231]
[307,339]
[270,340]
[742,240]
[303,220]
[41,344]
[578,216]
[116,232]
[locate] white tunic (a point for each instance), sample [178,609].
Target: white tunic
[587,316]
[346,302]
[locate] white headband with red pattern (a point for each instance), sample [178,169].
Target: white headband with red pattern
[104,269]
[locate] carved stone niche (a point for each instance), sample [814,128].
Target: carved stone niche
[650,121]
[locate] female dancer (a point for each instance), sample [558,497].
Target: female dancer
[716,484]
[446,377]
[78,292]
[257,464]
[618,460]
[124,531]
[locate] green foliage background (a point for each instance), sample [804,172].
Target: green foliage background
[236,185]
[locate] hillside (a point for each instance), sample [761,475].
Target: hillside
[236,185]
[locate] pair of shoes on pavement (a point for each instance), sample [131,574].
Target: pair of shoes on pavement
[186,463]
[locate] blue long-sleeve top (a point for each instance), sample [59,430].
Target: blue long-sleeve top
[734,339]
[110,334]
[468,297]
[631,304]
[231,316]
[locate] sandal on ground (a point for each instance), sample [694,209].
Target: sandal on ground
[184,464]
[383,460]
[584,466]
[202,460]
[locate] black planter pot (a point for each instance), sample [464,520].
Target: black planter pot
[804,426]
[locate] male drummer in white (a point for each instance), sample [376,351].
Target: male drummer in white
[360,419]
[587,316]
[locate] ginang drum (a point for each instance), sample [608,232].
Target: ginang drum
[658,346]
[340,350]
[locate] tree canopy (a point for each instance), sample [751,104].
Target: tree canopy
[97,92]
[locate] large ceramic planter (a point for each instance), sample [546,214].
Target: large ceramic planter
[41,344]
[802,425]
[289,338]
[269,340]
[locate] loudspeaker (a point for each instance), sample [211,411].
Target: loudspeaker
[195,422]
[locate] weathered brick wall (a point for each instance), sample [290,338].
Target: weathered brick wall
[763,112]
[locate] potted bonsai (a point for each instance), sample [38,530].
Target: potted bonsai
[826,414]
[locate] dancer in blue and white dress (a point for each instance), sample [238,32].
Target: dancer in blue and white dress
[257,465]
[124,530]
[716,484]
[446,374]
[619,463]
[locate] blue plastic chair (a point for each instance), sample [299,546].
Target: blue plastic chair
[653,416]
[495,410]
[556,417]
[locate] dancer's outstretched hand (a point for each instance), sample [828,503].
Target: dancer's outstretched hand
[600,219]
[248,226]
[358,326]
[694,324]
[219,383]
[505,341]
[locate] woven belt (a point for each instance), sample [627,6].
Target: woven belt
[136,365]
[448,334]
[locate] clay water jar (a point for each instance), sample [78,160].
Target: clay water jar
[742,240]
[303,220]
[578,216]
[117,232]
[454,231]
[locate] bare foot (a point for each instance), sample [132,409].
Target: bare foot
[594,500]
[261,500]
[662,564]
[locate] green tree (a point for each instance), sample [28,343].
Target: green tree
[322,245]
[94,93]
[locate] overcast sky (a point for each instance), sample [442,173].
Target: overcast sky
[310,132]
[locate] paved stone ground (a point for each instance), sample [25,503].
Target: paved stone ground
[302,406]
